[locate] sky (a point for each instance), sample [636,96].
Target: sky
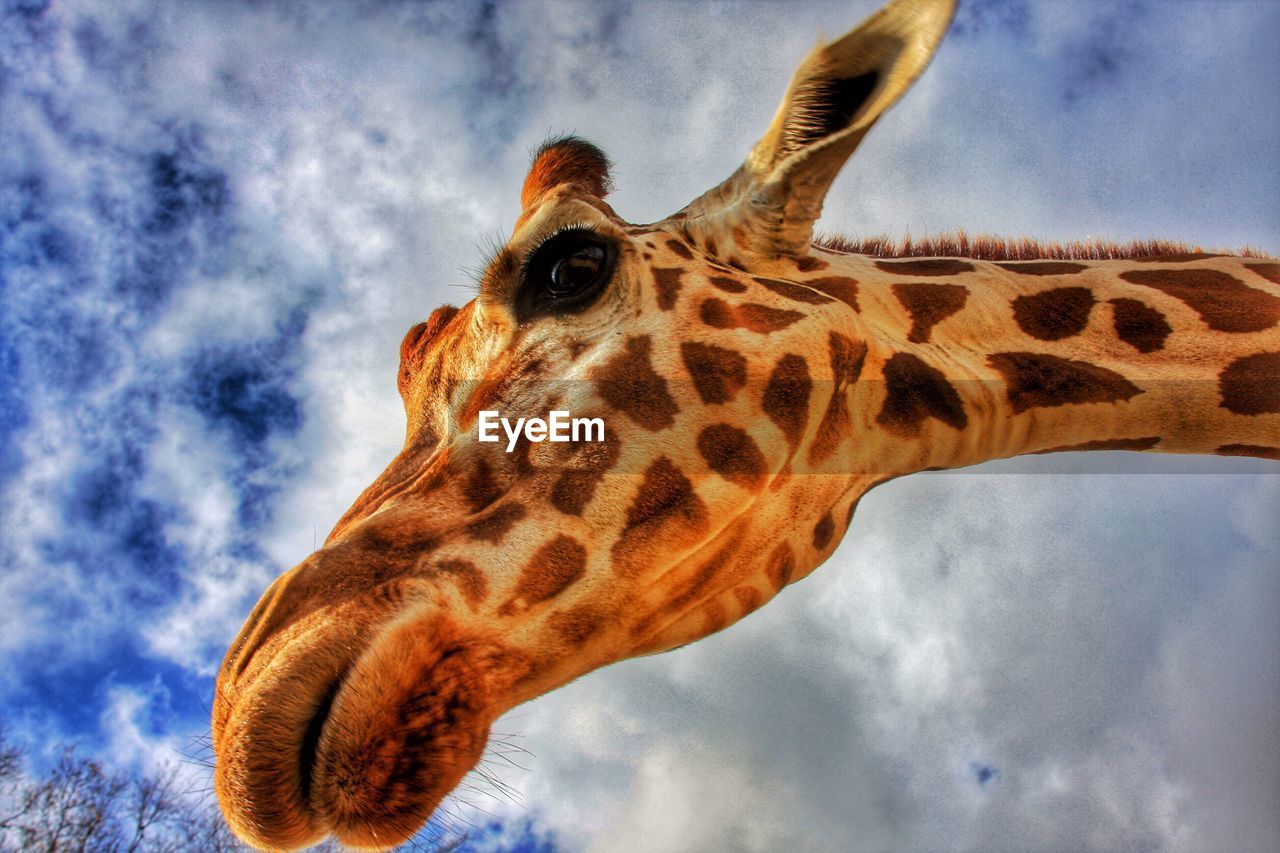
[217,220]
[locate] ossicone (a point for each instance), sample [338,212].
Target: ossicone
[566,160]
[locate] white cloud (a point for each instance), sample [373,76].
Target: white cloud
[131,741]
[1106,644]
[1045,636]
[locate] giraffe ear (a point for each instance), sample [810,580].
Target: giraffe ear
[835,96]
[566,160]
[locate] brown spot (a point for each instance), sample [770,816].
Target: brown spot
[680,249]
[732,454]
[757,318]
[577,348]
[573,490]
[628,383]
[576,485]
[1145,443]
[718,314]
[717,372]
[471,582]
[736,263]
[665,511]
[810,264]
[823,531]
[712,248]
[1271,272]
[575,626]
[549,572]
[794,292]
[392,542]
[749,598]
[1251,385]
[665,492]
[928,304]
[781,566]
[915,391]
[728,285]
[1256,450]
[493,526]
[668,285]
[714,617]
[1040,380]
[1054,314]
[480,488]
[847,357]
[1175,258]
[1142,327]
[1223,301]
[927,266]
[1042,267]
[566,161]
[786,396]
[838,287]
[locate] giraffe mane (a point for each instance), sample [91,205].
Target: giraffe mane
[991,247]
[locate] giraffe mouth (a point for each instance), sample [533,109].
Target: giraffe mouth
[311,738]
[267,738]
[362,744]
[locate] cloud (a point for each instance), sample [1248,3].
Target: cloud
[216,220]
[1037,637]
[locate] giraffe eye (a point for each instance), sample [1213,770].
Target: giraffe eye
[566,274]
[576,271]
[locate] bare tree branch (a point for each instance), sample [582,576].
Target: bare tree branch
[79,806]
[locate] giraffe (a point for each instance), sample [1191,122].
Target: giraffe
[755,384]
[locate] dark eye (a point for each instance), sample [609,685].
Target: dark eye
[577,271]
[565,274]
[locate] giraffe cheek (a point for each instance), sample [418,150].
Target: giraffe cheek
[410,720]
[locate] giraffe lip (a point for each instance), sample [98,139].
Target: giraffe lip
[272,747]
[311,737]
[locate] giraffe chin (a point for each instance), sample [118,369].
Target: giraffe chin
[363,752]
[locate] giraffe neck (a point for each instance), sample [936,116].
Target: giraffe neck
[987,360]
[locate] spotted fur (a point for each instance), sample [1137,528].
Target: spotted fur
[755,385]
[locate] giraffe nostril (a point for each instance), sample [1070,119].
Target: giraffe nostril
[417,342]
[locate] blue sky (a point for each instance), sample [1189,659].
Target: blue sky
[218,219]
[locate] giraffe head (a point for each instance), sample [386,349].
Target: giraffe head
[474,575]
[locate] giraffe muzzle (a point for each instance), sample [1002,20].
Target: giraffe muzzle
[266,732]
[342,725]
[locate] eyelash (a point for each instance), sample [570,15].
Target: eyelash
[580,227]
